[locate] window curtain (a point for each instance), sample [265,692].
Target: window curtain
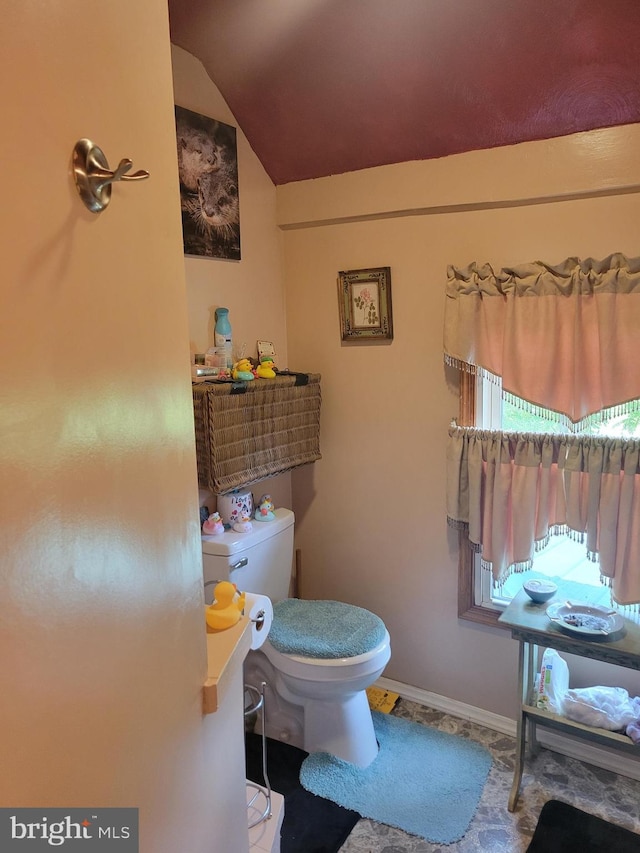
[566,338]
[511,491]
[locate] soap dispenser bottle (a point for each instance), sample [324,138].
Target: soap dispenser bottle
[222,335]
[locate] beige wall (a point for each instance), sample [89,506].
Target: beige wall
[371,514]
[102,642]
[252,288]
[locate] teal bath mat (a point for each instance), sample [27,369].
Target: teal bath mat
[423,781]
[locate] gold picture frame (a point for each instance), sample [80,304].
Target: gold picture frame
[364,300]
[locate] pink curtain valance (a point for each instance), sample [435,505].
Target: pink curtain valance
[511,491]
[566,337]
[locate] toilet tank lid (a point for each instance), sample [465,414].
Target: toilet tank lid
[230,542]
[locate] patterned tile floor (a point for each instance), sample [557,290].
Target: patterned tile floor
[494,829]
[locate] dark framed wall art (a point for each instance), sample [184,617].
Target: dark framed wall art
[208,169]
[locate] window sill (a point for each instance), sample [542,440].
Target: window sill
[481,615]
[467,608]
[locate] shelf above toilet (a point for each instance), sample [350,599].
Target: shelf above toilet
[226,650]
[248,431]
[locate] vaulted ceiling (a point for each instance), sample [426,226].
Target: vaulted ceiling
[321,87]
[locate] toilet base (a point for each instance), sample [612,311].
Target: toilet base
[343,728]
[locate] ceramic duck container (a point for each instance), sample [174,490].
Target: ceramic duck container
[264,510]
[213,525]
[243,525]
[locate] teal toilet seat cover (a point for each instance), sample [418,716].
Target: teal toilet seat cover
[324,629]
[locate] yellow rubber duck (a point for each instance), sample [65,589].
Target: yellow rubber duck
[265,370]
[224,612]
[242,370]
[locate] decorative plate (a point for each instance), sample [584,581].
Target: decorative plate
[585,619]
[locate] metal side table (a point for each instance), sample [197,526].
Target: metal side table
[531,626]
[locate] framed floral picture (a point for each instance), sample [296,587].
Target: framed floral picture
[364,299]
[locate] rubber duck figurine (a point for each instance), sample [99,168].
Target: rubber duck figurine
[264,510]
[242,370]
[265,370]
[213,525]
[224,612]
[243,525]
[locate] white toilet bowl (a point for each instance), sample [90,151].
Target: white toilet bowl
[320,656]
[329,701]
[321,678]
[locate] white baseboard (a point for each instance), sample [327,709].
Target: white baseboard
[607,759]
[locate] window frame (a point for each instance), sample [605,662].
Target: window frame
[467,607]
[477,405]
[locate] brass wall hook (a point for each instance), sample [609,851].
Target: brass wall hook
[92,175]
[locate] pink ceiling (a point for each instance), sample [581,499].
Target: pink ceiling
[321,87]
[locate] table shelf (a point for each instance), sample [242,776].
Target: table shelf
[531,627]
[572,727]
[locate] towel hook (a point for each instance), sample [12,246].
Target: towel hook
[94,178]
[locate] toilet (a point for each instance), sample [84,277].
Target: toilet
[319,657]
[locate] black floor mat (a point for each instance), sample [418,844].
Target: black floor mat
[564,829]
[311,824]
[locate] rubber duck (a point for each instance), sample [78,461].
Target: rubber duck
[213,525]
[264,510]
[243,525]
[224,612]
[265,370]
[242,370]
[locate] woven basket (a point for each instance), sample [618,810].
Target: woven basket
[248,431]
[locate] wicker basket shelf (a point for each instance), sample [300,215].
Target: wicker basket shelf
[248,431]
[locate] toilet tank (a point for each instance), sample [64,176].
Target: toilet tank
[259,561]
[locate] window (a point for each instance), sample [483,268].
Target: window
[563,557]
[562,337]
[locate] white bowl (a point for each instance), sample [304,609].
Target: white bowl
[540,590]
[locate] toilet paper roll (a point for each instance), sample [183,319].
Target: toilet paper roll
[260,610]
[235,506]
